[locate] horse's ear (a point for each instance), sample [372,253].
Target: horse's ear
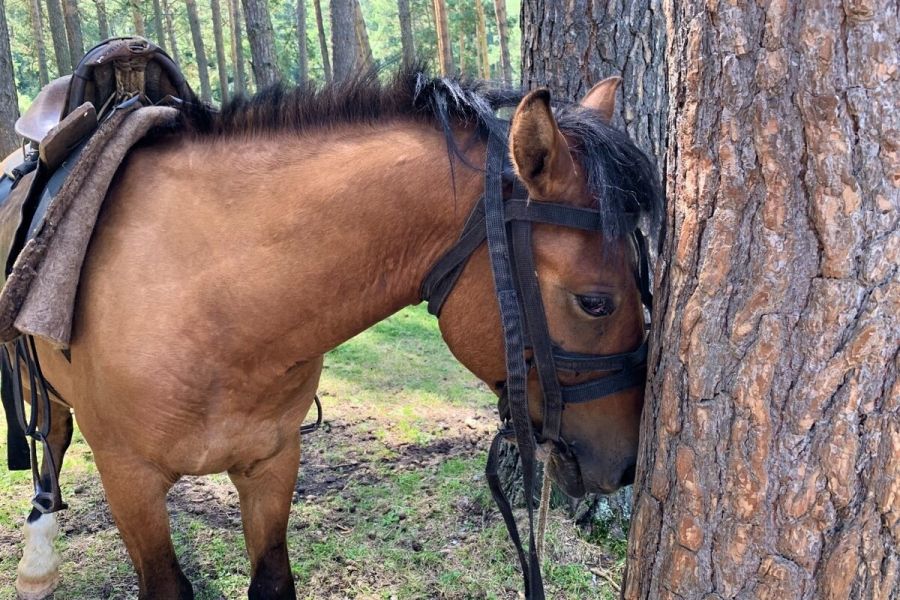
[602,98]
[539,151]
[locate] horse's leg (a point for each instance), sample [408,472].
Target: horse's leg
[136,492]
[265,492]
[38,570]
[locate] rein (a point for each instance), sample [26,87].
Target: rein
[506,225]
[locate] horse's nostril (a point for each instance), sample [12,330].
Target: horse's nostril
[628,475]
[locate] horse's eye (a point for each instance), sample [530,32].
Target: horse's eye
[599,305]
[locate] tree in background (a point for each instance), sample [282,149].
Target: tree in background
[262,42]
[58,35]
[323,41]
[216,10]
[343,38]
[770,442]
[199,50]
[137,17]
[302,47]
[73,30]
[445,51]
[102,19]
[170,32]
[406,35]
[503,28]
[365,59]
[159,35]
[9,100]
[237,48]
[484,64]
[37,31]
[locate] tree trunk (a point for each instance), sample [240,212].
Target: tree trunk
[484,63]
[302,48]
[170,32]
[343,38]
[237,48]
[73,30]
[442,29]
[9,101]
[365,60]
[262,42]
[503,29]
[159,34]
[323,41]
[406,34]
[58,35]
[770,442]
[102,19]
[462,52]
[137,17]
[216,10]
[199,50]
[567,53]
[37,32]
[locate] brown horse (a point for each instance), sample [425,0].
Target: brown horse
[233,252]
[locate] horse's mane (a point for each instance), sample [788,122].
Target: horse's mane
[619,174]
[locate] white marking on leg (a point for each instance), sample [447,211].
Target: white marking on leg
[38,571]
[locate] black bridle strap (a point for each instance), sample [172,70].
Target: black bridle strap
[516,369]
[573,217]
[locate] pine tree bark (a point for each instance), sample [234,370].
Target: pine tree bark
[102,19]
[770,441]
[40,47]
[344,45]
[406,34]
[503,29]
[302,46]
[262,42]
[216,10]
[365,59]
[73,30]
[58,36]
[170,32]
[159,33]
[323,41]
[442,30]
[237,48]
[137,17]
[484,63]
[9,100]
[199,50]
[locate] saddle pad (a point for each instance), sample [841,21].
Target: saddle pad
[39,295]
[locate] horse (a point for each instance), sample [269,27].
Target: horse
[237,247]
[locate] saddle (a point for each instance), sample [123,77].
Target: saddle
[113,78]
[64,115]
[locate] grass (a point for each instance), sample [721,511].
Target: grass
[390,501]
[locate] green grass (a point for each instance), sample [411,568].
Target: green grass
[391,500]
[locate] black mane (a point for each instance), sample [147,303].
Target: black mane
[622,178]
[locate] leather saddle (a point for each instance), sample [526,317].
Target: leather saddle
[62,118]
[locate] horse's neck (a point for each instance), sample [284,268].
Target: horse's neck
[337,230]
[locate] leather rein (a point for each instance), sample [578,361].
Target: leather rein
[506,225]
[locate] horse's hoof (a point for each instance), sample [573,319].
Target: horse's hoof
[36,590]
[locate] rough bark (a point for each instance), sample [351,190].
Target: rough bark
[58,36]
[9,101]
[170,32]
[199,50]
[137,17]
[323,41]
[40,47]
[302,47]
[406,34]
[343,38]
[216,10]
[262,42]
[569,52]
[237,47]
[159,34]
[365,58]
[503,30]
[484,63]
[102,19]
[771,439]
[442,29]
[73,30]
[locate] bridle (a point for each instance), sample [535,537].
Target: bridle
[506,225]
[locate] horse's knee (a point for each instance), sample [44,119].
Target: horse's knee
[38,570]
[273,579]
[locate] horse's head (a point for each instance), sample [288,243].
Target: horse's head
[589,281]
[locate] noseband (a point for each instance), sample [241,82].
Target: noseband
[506,225]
